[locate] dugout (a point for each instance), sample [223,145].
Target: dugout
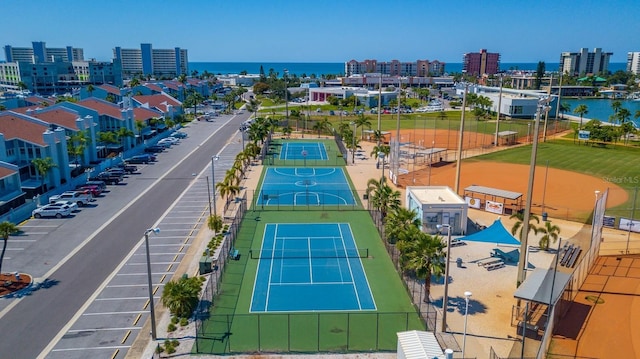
[507,138]
[419,345]
[493,200]
[437,205]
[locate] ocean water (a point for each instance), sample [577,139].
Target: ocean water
[337,68]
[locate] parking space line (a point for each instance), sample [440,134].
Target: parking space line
[162,278]
[125,337]
[115,354]
[114,313]
[169,267]
[91,348]
[120,298]
[135,321]
[102,329]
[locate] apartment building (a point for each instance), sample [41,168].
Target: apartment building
[585,62]
[481,63]
[419,68]
[147,61]
[633,62]
[39,52]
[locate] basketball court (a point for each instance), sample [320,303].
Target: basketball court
[305,186]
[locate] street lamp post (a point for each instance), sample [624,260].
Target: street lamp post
[209,194]
[543,106]
[213,180]
[353,144]
[467,295]
[381,155]
[151,305]
[286,97]
[445,300]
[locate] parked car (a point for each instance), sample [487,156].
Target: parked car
[178,134]
[173,140]
[95,190]
[52,210]
[108,178]
[116,171]
[141,159]
[128,168]
[153,149]
[164,144]
[82,198]
[99,184]
[73,205]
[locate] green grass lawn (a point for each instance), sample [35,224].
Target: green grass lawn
[619,165]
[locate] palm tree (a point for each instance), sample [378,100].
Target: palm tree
[227,188]
[76,145]
[181,296]
[123,133]
[550,232]
[382,196]
[361,122]
[6,229]
[90,90]
[214,223]
[519,216]
[581,110]
[398,221]
[43,167]
[564,108]
[423,255]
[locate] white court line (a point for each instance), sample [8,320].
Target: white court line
[355,289]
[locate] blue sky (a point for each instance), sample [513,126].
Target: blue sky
[329,30]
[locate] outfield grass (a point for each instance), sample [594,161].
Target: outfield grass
[617,164]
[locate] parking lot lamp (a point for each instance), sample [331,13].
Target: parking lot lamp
[151,305]
[467,295]
[445,299]
[213,180]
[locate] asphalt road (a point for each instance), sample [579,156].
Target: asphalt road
[30,325]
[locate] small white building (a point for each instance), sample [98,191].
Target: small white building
[437,205]
[418,345]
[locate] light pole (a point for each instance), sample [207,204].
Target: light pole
[445,300]
[209,193]
[286,97]
[353,144]
[151,305]
[381,155]
[467,295]
[213,180]
[543,106]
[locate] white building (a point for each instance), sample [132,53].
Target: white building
[633,62]
[438,205]
[585,62]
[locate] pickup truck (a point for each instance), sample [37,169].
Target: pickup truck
[108,178]
[128,168]
[82,198]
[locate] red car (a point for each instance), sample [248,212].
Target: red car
[93,189]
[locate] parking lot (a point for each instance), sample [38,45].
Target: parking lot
[111,320]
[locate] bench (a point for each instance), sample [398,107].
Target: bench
[574,257]
[234,254]
[494,265]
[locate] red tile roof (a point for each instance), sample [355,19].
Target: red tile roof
[37,100]
[12,125]
[4,172]
[58,116]
[111,89]
[103,107]
[141,114]
[154,87]
[159,101]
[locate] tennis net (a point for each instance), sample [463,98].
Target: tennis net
[305,253]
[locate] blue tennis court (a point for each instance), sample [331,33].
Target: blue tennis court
[310,267]
[303,150]
[305,186]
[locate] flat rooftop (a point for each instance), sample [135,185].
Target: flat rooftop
[435,195]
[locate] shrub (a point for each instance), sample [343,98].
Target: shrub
[184,322]
[175,320]
[171,327]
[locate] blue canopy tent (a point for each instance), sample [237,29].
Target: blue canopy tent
[495,233]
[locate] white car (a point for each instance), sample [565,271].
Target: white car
[71,204]
[179,134]
[82,198]
[52,210]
